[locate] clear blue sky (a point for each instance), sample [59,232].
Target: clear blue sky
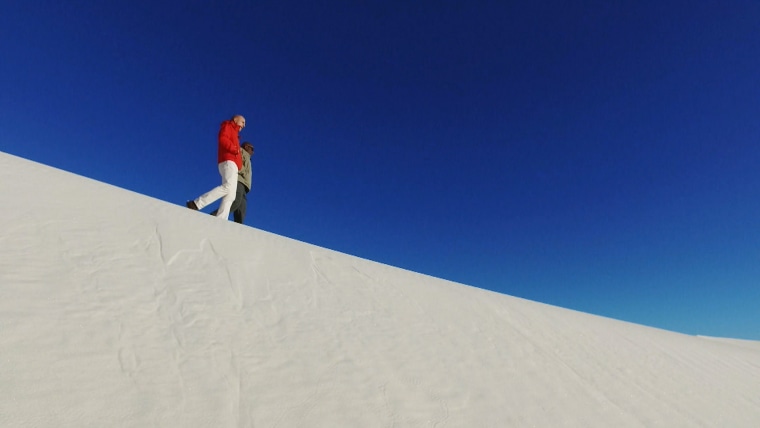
[592,155]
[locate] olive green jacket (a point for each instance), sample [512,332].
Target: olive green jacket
[244,175]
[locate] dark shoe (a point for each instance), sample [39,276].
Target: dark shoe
[192,206]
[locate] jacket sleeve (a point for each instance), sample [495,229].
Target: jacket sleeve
[227,139]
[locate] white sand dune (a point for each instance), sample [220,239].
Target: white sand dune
[118,310]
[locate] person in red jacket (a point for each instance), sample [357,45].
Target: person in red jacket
[230,161]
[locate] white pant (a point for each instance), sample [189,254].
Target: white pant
[228,170]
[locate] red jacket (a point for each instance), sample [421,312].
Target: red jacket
[229,144]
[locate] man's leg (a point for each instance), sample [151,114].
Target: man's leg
[236,203]
[228,171]
[218,191]
[240,211]
[239,204]
[240,191]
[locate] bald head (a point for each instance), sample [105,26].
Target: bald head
[239,121]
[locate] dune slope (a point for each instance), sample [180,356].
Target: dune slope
[119,310]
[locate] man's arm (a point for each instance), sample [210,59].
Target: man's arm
[227,138]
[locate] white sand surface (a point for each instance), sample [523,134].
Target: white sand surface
[118,310]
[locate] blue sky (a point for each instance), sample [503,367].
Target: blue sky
[597,156]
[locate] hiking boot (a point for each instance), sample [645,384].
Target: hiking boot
[192,206]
